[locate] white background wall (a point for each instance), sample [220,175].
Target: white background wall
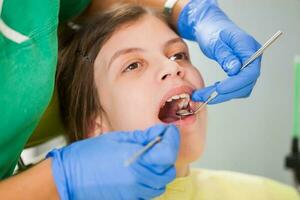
[253,135]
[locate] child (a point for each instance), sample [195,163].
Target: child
[126,70]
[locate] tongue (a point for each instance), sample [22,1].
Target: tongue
[168,112]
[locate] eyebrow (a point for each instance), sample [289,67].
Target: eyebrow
[174,40]
[122,52]
[131,50]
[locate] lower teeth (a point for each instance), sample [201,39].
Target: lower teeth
[182,112]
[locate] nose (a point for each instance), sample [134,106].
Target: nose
[171,69]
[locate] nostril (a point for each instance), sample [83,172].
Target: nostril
[164,77]
[178,73]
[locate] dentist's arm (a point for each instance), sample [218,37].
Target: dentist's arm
[35,183]
[219,39]
[94,169]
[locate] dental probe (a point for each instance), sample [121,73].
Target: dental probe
[249,61]
[141,151]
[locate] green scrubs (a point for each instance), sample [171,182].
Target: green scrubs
[27,69]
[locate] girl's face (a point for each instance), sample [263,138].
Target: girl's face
[141,66]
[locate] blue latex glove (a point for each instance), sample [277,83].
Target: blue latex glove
[221,40]
[94,168]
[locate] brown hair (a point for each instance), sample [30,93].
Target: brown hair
[79,102]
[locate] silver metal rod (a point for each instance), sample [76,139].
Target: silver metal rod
[262,49]
[141,151]
[211,97]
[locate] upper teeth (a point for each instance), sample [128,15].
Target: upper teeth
[179,96]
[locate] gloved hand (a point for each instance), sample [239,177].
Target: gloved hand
[94,168]
[221,40]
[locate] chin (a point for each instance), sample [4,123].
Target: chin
[187,159]
[191,144]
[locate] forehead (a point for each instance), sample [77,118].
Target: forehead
[148,33]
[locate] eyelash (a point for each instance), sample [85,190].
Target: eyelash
[183,54]
[128,68]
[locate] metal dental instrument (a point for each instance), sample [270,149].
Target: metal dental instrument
[262,49]
[249,61]
[141,151]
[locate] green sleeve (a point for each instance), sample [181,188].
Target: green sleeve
[27,71]
[70,9]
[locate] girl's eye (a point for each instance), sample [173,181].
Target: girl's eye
[132,66]
[179,56]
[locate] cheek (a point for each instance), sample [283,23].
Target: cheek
[112,103]
[195,77]
[129,107]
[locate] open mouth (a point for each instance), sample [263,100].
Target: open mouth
[176,103]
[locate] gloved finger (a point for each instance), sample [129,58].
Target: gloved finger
[204,93]
[242,46]
[141,137]
[243,78]
[146,192]
[164,153]
[226,58]
[230,85]
[241,93]
[146,175]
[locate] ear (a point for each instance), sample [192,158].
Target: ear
[98,126]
